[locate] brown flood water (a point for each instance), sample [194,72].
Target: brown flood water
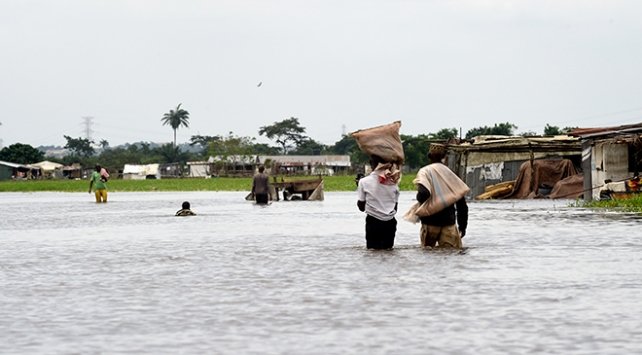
[295,278]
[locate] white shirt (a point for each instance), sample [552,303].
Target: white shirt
[380,198]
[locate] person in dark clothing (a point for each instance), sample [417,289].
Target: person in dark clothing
[446,227]
[260,188]
[444,218]
[185,210]
[359,177]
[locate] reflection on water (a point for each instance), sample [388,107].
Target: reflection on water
[294,277]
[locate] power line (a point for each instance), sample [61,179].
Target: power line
[88,122]
[607,115]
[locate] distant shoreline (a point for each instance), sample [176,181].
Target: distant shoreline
[331,183]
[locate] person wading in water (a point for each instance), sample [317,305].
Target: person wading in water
[440,203]
[378,195]
[260,187]
[99,183]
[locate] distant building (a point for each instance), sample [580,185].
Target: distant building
[199,169]
[307,164]
[73,171]
[170,170]
[232,165]
[10,171]
[49,169]
[246,165]
[141,172]
[491,160]
[609,153]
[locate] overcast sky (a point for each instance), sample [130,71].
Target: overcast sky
[338,66]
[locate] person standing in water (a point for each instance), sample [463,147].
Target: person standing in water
[441,203]
[378,195]
[260,187]
[98,183]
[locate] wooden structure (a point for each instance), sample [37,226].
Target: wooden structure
[491,160]
[496,191]
[306,189]
[301,189]
[609,154]
[622,190]
[306,164]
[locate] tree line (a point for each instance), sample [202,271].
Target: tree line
[288,135]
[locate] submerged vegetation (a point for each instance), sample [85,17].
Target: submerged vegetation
[331,183]
[633,204]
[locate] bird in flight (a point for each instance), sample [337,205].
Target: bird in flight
[259,84]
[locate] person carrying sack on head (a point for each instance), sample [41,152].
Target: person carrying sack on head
[441,204]
[378,196]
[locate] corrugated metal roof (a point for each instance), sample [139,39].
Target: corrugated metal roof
[47,165]
[148,169]
[13,165]
[503,143]
[600,132]
[327,160]
[242,159]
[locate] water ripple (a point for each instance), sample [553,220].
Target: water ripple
[128,277]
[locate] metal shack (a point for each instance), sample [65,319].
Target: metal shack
[490,160]
[10,170]
[609,153]
[307,164]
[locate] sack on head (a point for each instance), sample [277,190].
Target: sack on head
[383,141]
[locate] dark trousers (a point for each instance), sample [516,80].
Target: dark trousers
[380,234]
[261,198]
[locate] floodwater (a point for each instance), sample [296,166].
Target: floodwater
[295,278]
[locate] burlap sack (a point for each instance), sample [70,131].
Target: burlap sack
[445,188]
[383,141]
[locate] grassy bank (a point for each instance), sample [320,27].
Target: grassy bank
[628,205]
[331,183]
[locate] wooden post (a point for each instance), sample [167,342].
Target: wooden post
[532,158]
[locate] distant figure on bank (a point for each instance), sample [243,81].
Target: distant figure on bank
[359,177]
[185,210]
[99,185]
[378,196]
[260,189]
[441,202]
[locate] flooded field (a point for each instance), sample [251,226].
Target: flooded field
[295,277]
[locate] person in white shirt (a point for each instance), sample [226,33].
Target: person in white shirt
[378,196]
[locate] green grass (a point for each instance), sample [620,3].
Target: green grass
[628,205]
[331,183]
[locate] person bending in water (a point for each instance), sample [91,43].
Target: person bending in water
[185,211]
[378,195]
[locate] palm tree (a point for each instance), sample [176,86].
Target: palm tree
[176,118]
